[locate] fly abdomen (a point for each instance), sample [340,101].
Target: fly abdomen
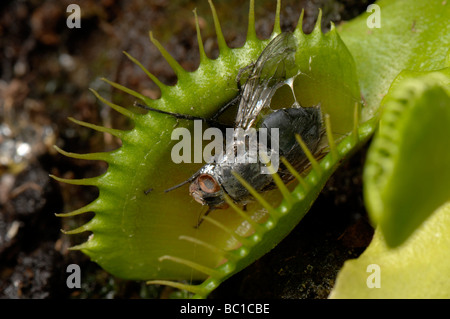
[291,121]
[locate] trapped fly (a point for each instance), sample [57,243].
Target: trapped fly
[271,71]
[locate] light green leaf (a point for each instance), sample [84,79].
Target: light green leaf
[414,35]
[419,268]
[407,175]
[407,192]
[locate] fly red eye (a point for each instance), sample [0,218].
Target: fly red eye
[208,184]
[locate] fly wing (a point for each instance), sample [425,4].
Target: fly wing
[267,75]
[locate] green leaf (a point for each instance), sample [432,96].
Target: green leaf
[407,192]
[414,35]
[407,174]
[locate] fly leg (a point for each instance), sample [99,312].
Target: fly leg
[176,115]
[147,191]
[212,122]
[201,216]
[238,97]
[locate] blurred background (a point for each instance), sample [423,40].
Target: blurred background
[46,70]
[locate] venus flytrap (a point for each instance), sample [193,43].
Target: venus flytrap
[149,236]
[407,192]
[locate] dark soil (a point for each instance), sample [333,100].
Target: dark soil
[46,70]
